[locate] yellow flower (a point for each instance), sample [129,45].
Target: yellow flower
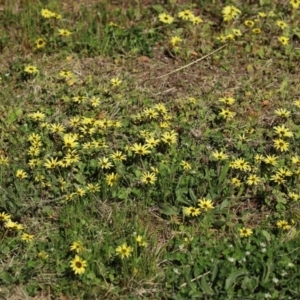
[259,157]
[139,239]
[51,163]
[282,112]
[148,178]
[93,187]
[186,165]
[249,23]
[240,164]
[31,69]
[40,43]
[205,204]
[295,3]
[27,237]
[282,131]
[278,178]
[115,81]
[175,40]
[21,174]
[230,12]
[80,192]
[78,265]
[236,182]
[3,160]
[140,149]
[284,172]
[118,156]
[65,74]
[104,163]
[160,107]
[77,247]
[245,232]
[47,14]
[56,128]
[253,179]
[237,32]
[196,20]
[262,14]
[271,160]
[150,113]
[70,140]
[186,15]
[281,24]
[169,137]
[283,40]
[43,255]
[37,116]
[95,102]
[283,225]
[219,155]
[296,160]
[111,179]
[124,251]
[151,142]
[256,30]
[226,114]
[4,217]
[297,103]
[227,100]
[165,18]
[191,211]
[64,32]
[281,145]
[293,196]
[72,157]
[9,224]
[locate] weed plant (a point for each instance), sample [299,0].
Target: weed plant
[125,175]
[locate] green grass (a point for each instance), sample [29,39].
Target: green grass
[210,207]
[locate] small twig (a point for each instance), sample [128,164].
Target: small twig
[194,279]
[166,91]
[192,63]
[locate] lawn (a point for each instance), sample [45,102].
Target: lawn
[149,149]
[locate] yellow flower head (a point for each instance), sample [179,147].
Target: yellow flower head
[186,15]
[31,69]
[78,265]
[40,43]
[165,18]
[191,211]
[245,232]
[230,12]
[148,178]
[64,32]
[205,204]
[124,251]
[283,40]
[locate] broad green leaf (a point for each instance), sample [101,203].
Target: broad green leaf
[205,286]
[169,210]
[224,173]
[233,276]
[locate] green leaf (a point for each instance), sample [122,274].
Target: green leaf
[14,115]
[192,195]
[158,8]
[215,272]
[224,204]
[268,266]
[266,235]
[205,286]
[233,276]
[169,210]
[223,173]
